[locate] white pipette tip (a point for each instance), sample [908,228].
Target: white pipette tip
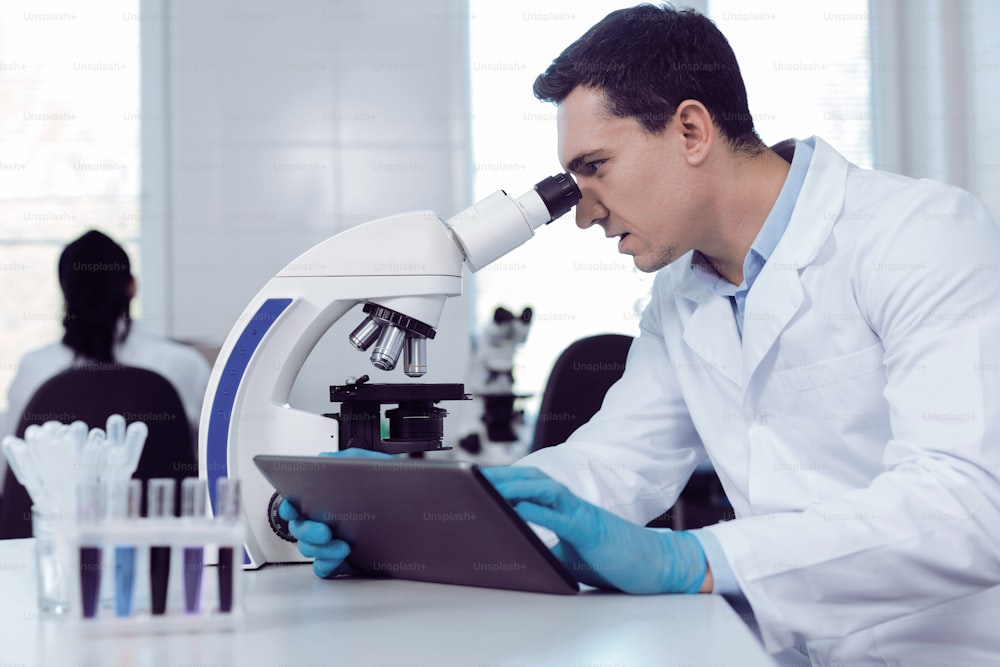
[8,442]
[78,435]
[9,446]
[54,429]
[18,456]
[135,440]
[116,429]
[96,437]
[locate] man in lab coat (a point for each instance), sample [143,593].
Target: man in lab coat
[827,336]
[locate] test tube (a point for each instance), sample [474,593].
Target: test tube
[161,505]
[227,504]
[88,510]
[193,492]
[124,500]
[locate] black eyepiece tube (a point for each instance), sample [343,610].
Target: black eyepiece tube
[559,193]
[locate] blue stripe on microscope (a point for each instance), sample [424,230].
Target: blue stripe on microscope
[229,384]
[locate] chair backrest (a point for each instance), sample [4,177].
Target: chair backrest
[581,376]
[91,394]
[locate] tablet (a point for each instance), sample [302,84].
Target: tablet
[424,520]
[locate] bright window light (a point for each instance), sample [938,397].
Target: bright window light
[69,90]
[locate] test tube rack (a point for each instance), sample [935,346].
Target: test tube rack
[219,603]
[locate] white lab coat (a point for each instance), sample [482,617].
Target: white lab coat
[185,368]
[856,429]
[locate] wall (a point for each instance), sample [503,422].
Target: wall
[268,127]
[935,83]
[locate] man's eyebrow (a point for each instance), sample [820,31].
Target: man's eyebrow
[580,160]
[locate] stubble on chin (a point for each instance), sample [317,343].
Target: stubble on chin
[656,260]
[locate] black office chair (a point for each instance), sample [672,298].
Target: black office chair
[92,394]
[580,378]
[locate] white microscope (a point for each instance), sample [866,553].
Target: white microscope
[492,428]
[400,269]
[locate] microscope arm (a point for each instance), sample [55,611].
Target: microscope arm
[246,408]
[408,264]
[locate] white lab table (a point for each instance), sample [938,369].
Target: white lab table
[293,618]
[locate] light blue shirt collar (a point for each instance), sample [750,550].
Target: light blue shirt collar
[767,238]
[781,213]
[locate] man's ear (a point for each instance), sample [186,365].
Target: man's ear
[131,287]
[695,125]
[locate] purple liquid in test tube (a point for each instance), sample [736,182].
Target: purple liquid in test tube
[193,491]
[88,511]
[227,509]
[161,505]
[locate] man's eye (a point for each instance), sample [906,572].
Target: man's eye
[594,165]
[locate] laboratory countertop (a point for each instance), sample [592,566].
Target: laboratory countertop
[290,617]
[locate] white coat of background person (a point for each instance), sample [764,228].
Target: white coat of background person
[850,404]
[98,286]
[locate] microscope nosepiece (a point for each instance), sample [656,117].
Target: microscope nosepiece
[390,332]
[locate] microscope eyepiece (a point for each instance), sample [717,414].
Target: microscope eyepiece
[559,193]
[494,226]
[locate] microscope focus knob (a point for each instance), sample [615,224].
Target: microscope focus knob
[278,525]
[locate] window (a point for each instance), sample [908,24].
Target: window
[576,281]
[69,88]
[806,68]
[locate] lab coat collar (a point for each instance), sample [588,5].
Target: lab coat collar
[778,288]
[778,294]
[711,332]
[686,282]
[817,208]
[710,326]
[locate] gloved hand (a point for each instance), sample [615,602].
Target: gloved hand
[599,548]
[315,539]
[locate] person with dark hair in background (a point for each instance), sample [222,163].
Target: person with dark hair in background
[96,279]
[822,333]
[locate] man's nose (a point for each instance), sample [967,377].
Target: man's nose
[589,210]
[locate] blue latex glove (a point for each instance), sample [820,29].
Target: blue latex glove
[316,540]
[599,548]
